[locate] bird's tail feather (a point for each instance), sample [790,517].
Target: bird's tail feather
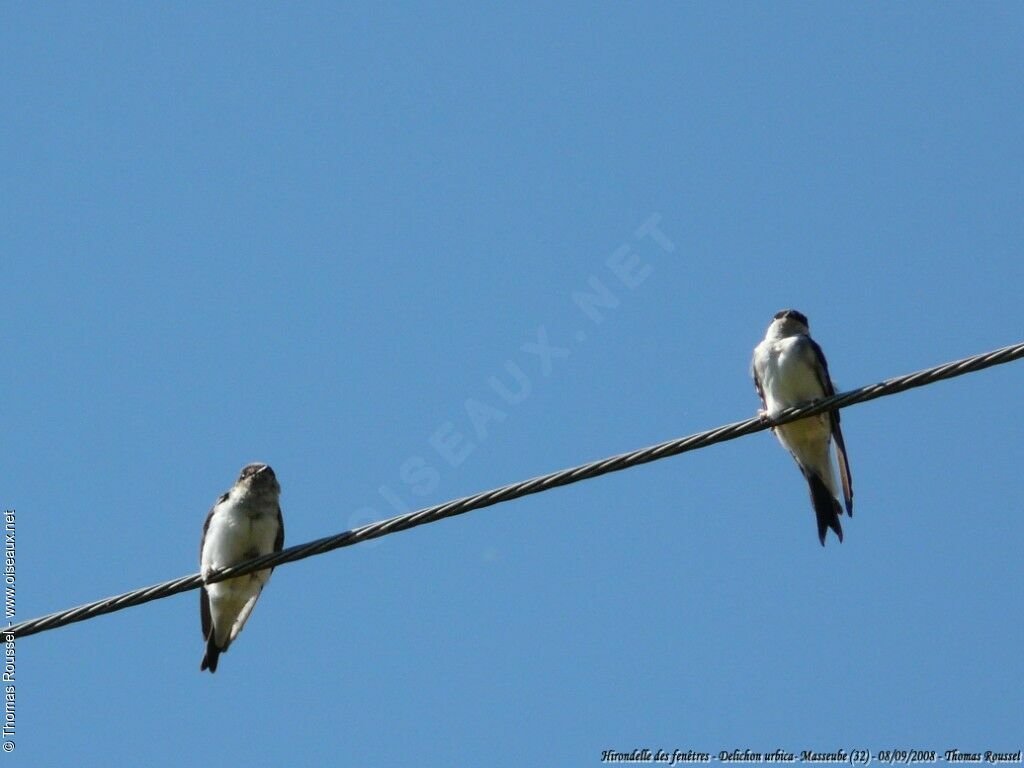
[826,508]
[211,656]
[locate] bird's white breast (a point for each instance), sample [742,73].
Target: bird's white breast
[787,372]
[237,532]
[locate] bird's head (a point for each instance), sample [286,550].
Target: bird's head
[789,322]
[258,478]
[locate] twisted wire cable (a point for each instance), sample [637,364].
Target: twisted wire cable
[524,488]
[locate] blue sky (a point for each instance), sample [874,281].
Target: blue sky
[312,235]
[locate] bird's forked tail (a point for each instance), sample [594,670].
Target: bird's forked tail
[212,654]
[826,507]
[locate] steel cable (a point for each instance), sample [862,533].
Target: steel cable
[523,488]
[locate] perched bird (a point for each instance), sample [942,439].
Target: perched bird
[789,369]
[243,524]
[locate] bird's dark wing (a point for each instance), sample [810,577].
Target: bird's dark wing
[204,612]
[206,525]
[279,539]
[204,599]
[821,368]
[757,383]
